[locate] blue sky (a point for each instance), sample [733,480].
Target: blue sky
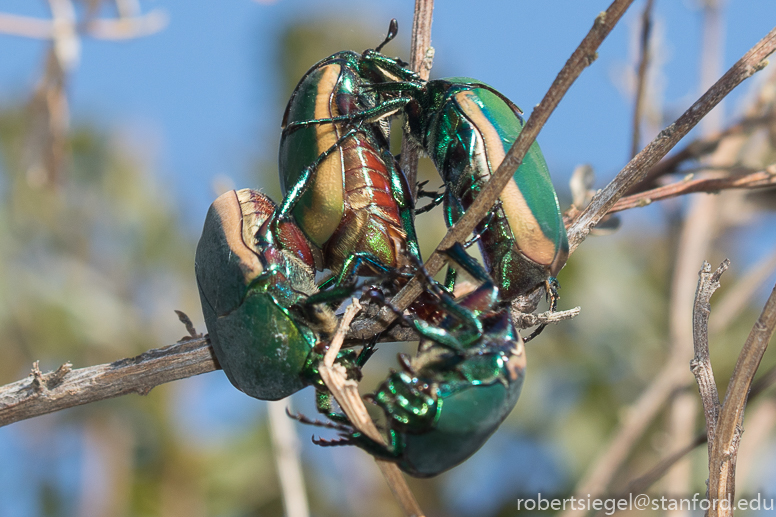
[201,96]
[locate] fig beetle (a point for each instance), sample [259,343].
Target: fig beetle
[255,276]
[342,185]
[451,397]
[467,127]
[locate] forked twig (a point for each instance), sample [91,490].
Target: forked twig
[346,393]
[689,185]
[708,282]
[637,168]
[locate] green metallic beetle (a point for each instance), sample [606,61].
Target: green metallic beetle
[467,127]
[342,185]
[254,280]
[452,396]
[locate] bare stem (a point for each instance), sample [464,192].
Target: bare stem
[708,283]
[421,60]
[724,450]
[42,393]
[637,168]
[641,78]
[759,179]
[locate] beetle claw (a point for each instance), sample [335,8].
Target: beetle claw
[337,442]
[299,417]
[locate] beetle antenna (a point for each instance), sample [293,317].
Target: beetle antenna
[393,29]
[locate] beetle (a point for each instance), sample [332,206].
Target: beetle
[254,279]
[451,397]
[342,185]
[467,127]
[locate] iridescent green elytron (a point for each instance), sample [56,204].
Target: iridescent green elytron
[450,398]
[342,185]
[467,127]
[254,278]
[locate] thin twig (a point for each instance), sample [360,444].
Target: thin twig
[421,60]
[524,320]
[643,482]
[582,57]
[346,393]
[101,28]
[708,283]
[285,446]
[94,383]
[739,296]
[695,150]
[722,461]
[636,169]
[759,179]
[635,421]
[641,77]
[33,397]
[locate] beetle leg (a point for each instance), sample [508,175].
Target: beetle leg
[468,244]
[354,262]
[324,406]
[436,200]
[337,442]
[306,177]
[299,417]
[366,352]
[385,109]
[552,286]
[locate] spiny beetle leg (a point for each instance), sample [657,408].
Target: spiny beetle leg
[385,109]
[306,177]
[337,442]
[299,417]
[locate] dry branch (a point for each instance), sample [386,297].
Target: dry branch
[696,149]
[708,283]
[421,60]
[759,179]
[729,426]
[41,393]
[637,168]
